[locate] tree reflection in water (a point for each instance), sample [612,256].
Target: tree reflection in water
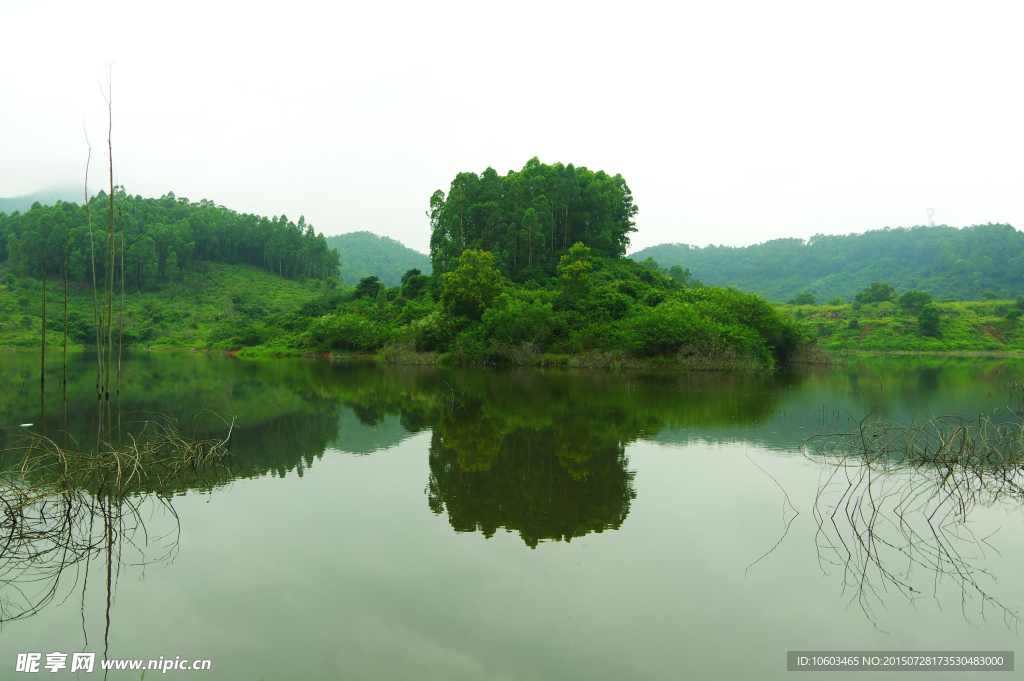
[543,483]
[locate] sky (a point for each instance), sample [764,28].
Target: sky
[733,123]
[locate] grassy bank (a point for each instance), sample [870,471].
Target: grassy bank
[180,314]
[985,326]
[598,313]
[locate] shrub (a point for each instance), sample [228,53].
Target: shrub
[414,285]
[367,287]
[474,284]
[928,320]
[878,292]
[803,298]
[607,304]
[914,300]
[510,320]
[835,301]
[345,332]
[885,310]
[989,295]
[434,332]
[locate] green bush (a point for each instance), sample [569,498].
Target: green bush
[433,332]
[803,298]
[345,332]
[914,300]
[510,320]
[928,320]
[608,305]
[877,292]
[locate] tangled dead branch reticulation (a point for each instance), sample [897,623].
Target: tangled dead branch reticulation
[60,509]
[894,508]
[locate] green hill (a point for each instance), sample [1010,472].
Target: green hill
[945,261]
[365,254]
[165,240]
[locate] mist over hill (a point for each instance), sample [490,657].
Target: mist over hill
[46,197]
[365,254]
[948,262]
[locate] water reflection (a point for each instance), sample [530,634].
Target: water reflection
[66,511]
[894,512]
[542,482]
[538,453]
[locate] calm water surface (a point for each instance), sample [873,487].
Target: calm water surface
[417,523]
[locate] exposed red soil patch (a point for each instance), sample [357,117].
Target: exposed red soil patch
[997,334]
[864,332]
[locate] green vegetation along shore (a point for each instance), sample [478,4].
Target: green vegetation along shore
[181,313]
[526,268]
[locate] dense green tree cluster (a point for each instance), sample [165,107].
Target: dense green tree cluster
[475,314]
[164,240]
[877,292]
[945,261]
[528,219]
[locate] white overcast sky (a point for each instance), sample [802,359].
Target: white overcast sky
[733,123]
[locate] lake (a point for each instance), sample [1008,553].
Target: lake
[381,522]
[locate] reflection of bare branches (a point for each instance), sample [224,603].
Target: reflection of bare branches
[896,502]
[53,539]
[61,509]
[786,523]
[450,400]
[157,455]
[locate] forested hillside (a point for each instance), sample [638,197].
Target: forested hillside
[528,219]
[944,261]
[163,241]
[364,254]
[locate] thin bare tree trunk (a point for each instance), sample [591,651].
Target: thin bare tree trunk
[42,352]
[110,251]
[97,322]
[64,374]
[120,333]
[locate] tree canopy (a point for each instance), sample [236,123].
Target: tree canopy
[528,219]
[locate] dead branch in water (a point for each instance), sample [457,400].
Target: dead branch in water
[896,501]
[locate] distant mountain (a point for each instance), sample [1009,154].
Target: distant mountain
[46,197]
[945,261]
[365,254]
